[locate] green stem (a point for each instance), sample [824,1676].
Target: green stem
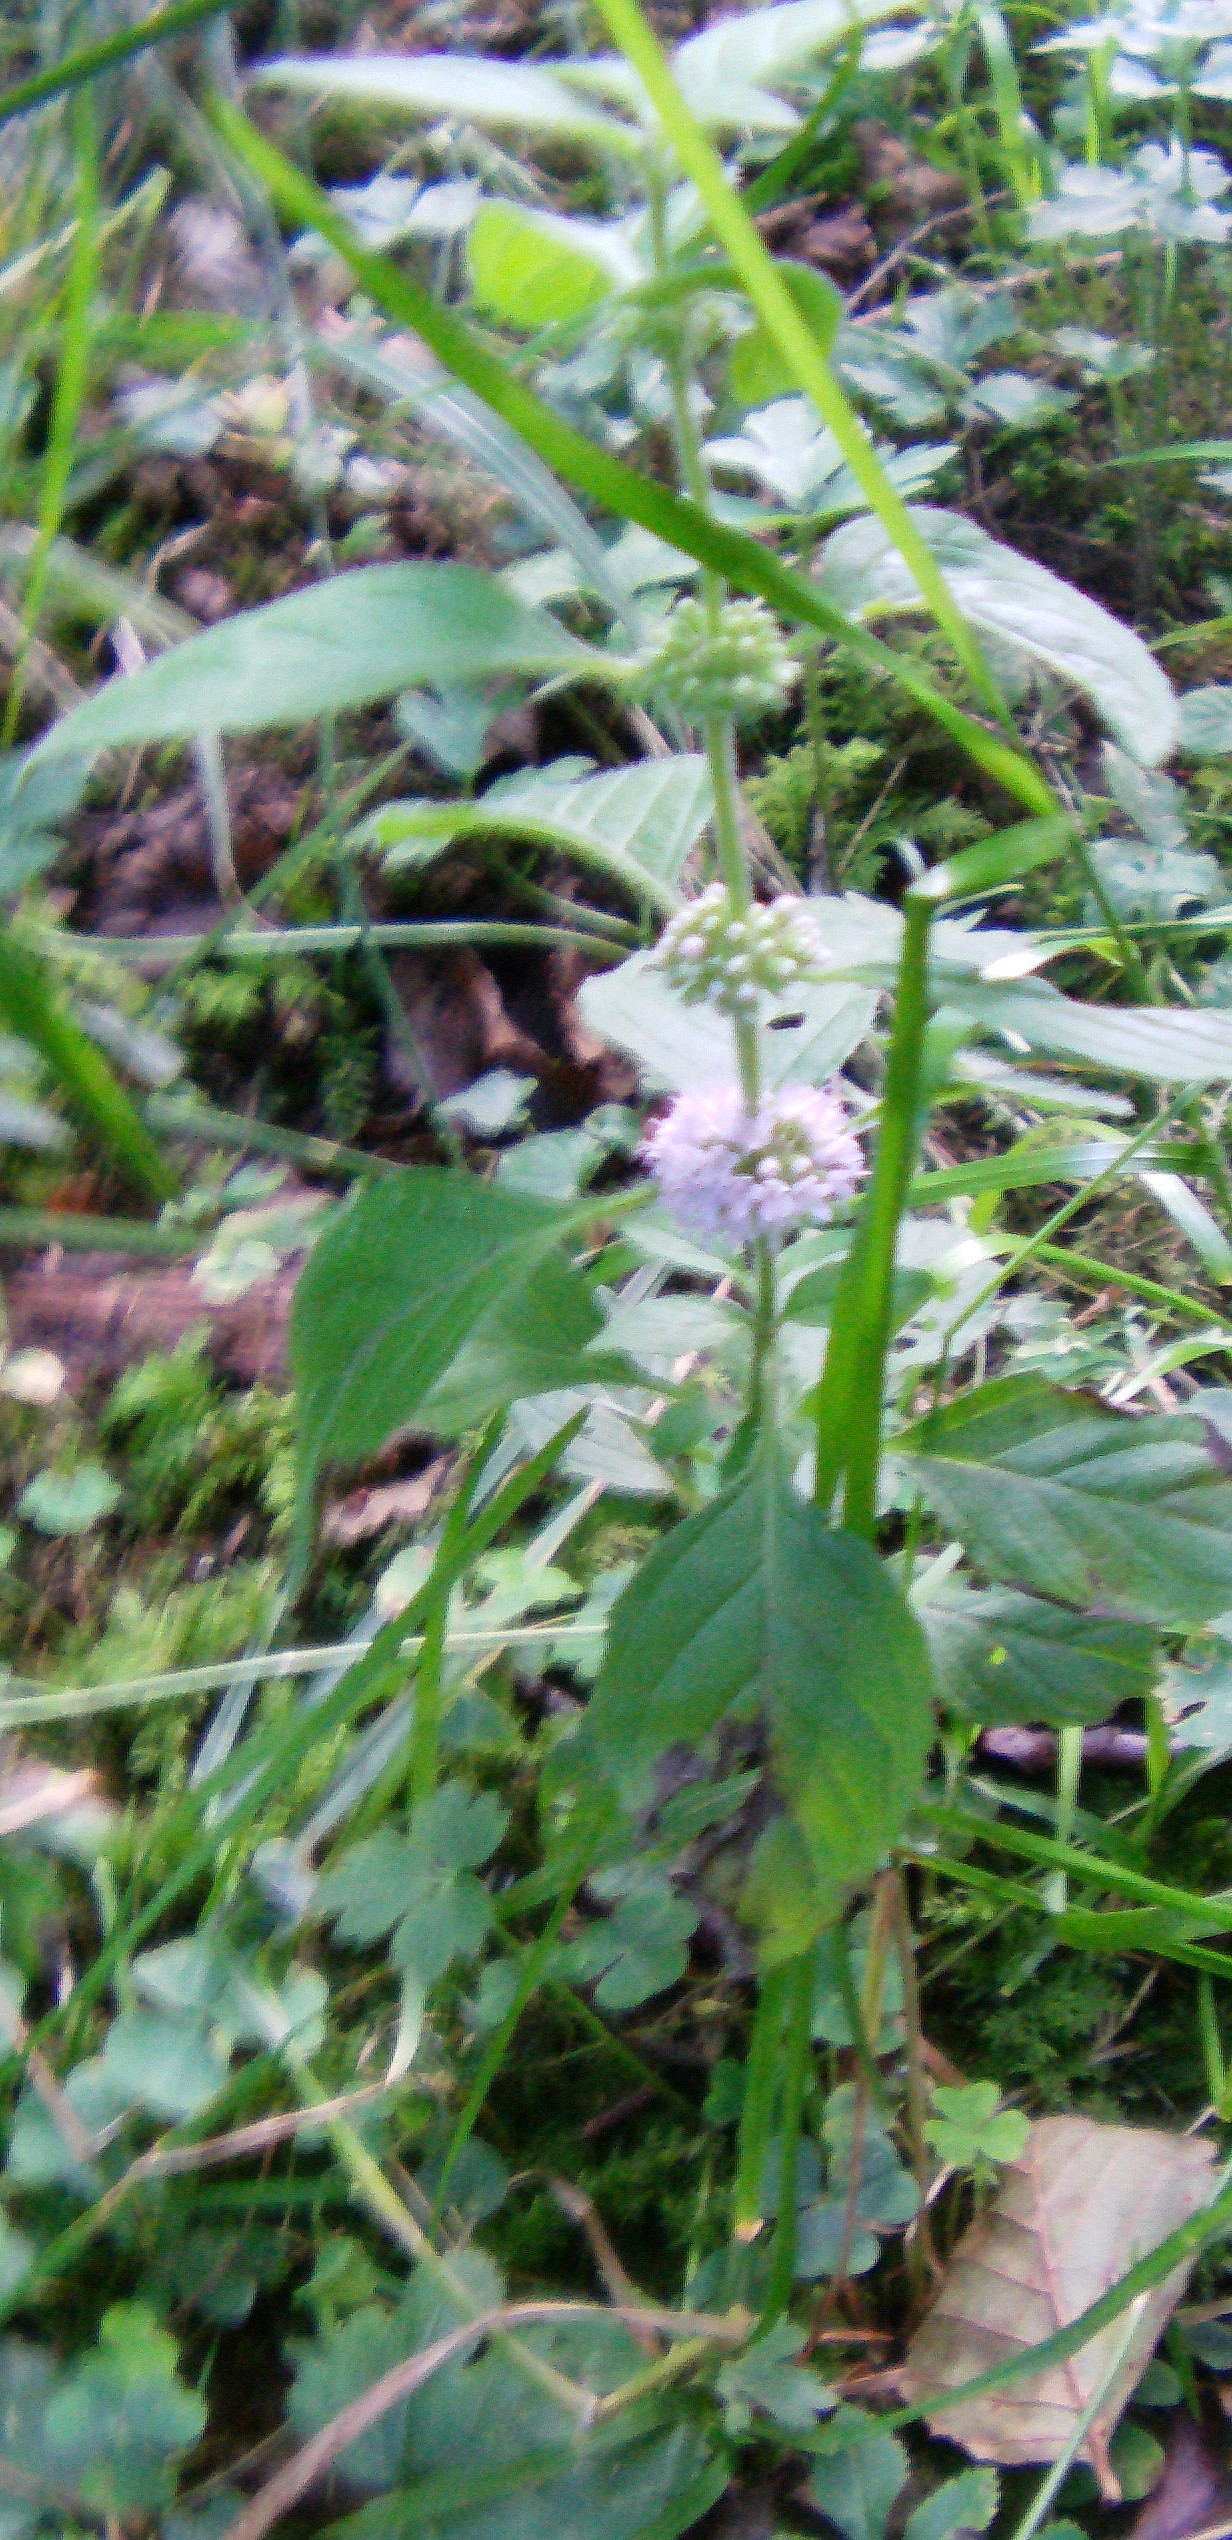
[1087,1272]
[1069,1774]
[72,379]
[761,2083]
[849,1397]
[791,333]
[608,480]
[797,2066]
[78,68]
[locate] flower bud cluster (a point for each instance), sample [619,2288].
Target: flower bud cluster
[715,954]
[730,1172]
[740,668]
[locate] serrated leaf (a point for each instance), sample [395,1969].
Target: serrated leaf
[1081,2199]
[1003,1658]
[636,825]
[756,1598]
[420,1887]
[640,1949]
[121,2419]
[1055,1494]
[966,2503]
[857,2475]
[399,1281]
[1008,596]
[337,644]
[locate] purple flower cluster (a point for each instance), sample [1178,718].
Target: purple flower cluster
[726,1171]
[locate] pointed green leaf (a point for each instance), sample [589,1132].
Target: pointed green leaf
[337,644]
[1053,1493]
[757,1599]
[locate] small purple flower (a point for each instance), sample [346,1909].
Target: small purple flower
[726,1171]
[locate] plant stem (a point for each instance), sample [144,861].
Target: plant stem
[608,480]
[1069,1774]
[790,332]
[761,2079]
[849,1397]
[72,380]
[801,1981]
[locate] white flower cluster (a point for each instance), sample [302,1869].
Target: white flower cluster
[726,1171]
[743,668]
[714,955]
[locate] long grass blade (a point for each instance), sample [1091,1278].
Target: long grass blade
[607,480]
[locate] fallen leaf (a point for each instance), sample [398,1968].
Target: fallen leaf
[365,1513]
[1081,2206]
[1193,2489]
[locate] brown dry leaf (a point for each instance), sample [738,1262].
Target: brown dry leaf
[365,1513]
[1193,2490]
[1081,2206]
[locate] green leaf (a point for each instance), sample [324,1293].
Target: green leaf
[1003,1658]
[399,1281]
[640,1949]
[165,2064]
[1008,596]
[69,1503]
[679,1046]
[635,825]
[857,2475]
[537,1338]
[1206,723]
[756,1598]
[758,369]
[1196,1692]
[510,96]
[767,2379]
[608,2487]
[769,44]
[337,644]
[420,1888]
[596,472]
[30,1007]
[1050,1492]
[121,2420]
[963,2504]
[969,2129]
[532,269]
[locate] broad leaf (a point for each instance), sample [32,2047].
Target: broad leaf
[511,96]
[1006,595]
[337,644]
[1082,2202]
[859,2471]
[767,45]
[678,1046]
[635,825]
[1056,1494]
[1206,723]
[532,269]
[1000,1657]
[402,1277]
[755,1599]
